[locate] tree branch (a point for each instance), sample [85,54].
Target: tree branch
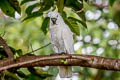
[71,59]
[101,6]
[6,48]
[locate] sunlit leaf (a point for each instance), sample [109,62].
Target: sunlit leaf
[45,25]
[73,25]
[30,8]
[33,15]
[82,15]
[81,22]
[74,4]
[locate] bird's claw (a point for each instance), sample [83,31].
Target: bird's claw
[56,54]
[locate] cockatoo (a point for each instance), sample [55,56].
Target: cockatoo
[61,39]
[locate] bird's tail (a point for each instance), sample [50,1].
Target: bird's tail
[65,71]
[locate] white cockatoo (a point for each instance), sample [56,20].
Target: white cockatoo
[61,39]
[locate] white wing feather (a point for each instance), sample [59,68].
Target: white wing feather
[68,39]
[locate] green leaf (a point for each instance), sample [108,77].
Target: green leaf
[63,61]
[15,5]
[82,15]
[74,4]
[33,15]
[4,54]
[81,22]
[25,1]
[11,75]
[46,5]
[73,25]
[30,8]
[19,51]
[6,8]
[111,2]
[116,17]
[64,15]
[37,72]
[21,74]
[45,25]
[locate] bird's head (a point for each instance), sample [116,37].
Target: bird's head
[55,17]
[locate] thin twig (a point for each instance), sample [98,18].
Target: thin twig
[38,48]
[31,48]
[101,6]
[80,10]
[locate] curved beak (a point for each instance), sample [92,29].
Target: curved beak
[54,20]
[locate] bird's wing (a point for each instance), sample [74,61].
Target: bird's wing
[54,41]
[67,36]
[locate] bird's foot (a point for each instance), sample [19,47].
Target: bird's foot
[62,53]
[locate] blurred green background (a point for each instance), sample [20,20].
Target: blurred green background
[101,38]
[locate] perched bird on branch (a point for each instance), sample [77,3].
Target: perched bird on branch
[62,40]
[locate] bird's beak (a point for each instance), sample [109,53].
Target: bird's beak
[54,20]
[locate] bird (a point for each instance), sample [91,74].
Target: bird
[61,38]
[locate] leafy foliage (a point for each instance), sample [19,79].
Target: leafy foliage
[8,10]
[75,4]
[34,15]
[15,5]
[9,7]
[81,22]
[46,5]
[111,2]
[30,8]
[25,1]
[45,25]
[73,25]
[43,6]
